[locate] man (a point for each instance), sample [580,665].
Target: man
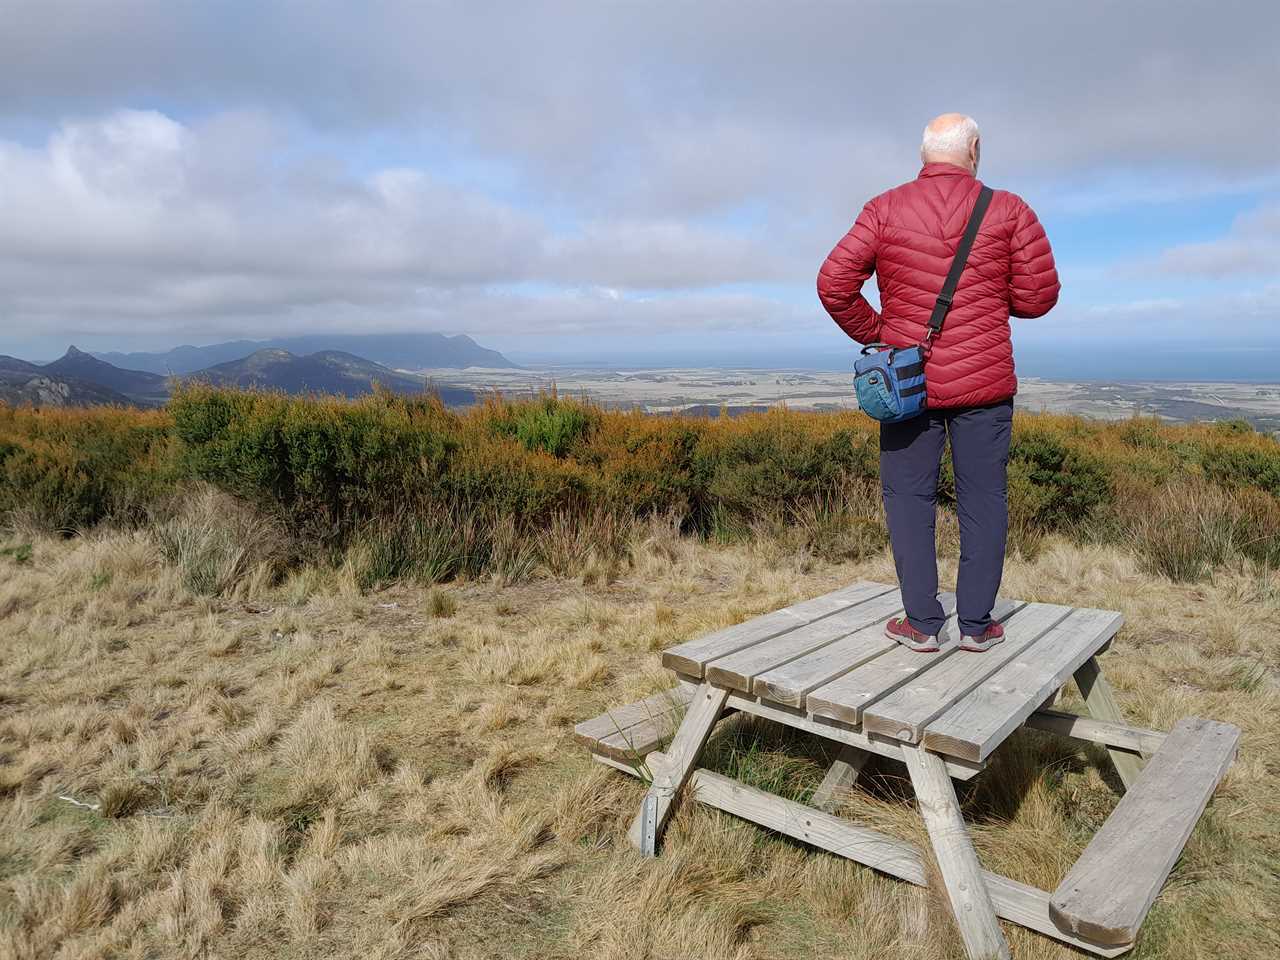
[908,237]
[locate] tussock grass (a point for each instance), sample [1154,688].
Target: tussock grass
[300,766]
[218,543]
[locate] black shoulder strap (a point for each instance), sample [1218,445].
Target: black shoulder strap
[943,303]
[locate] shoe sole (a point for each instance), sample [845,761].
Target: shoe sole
[974,646]
[913,647]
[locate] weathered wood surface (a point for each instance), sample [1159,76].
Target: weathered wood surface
[1107,893]
[962,875]
[907,711]
[1133,739]
[737,670]
[634,742]
[1101,703]
[618,719]
[840,732]
[1014,901]
[840,778]
[791,682]
[678,763]
[692,657]
[847,697]
[828,659]
[982,718]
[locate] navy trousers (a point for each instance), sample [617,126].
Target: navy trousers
[910,460]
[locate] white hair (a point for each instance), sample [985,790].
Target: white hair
[953,139]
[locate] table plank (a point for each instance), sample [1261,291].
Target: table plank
[737,670]
[691,657]
[978,723]
[905,712]
[835,730]
[846,697]
[789,682]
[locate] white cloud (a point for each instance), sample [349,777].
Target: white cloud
[1250,248]
[134,218]
[569,147]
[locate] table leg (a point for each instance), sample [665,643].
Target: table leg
[1101,703]
[672,770]
[961,873]
[842,775]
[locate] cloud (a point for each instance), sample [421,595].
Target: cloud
[271,164]
[1235,319]
[135,217]
[687,104]
[1250,248]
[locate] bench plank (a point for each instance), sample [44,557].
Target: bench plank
[846,697]
[790,682]
[620,719]
[737,670]
[1107,893]
[979,722]
[635,742]
[906,711]
[691,657]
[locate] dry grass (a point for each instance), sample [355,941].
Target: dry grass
[305,770]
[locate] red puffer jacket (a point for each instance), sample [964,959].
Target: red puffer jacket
[908,237]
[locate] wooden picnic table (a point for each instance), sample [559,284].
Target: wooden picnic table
[824,666]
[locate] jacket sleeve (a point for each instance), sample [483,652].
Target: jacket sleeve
[1033,278]
[846,269]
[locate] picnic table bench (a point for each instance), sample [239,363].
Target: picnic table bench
[825,667]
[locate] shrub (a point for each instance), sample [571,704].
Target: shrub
[766,465]
[549,424]
[529,481]
[1051,484]
[67,470]
[324,464]
[1245,466]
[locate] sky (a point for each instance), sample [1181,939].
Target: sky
[631,183]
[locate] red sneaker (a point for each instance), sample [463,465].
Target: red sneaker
[981,644]
[899,629]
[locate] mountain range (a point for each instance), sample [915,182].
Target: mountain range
[22,383]
[402,351]
[80,379]
[326,371]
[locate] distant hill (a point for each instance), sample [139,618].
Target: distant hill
[14,365]
[28,383]
[141,386]
[327,371]
[408,351]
